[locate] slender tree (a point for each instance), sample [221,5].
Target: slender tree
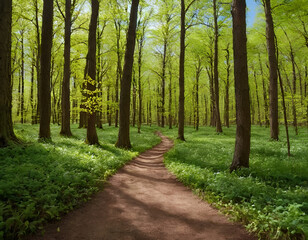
[242,142]
[273,89]
[123,136]
[45,97]
[6,124]
[181,117]
[65,126]
[216,82]
[91,76]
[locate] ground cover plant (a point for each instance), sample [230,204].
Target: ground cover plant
[270,198]
[41,181]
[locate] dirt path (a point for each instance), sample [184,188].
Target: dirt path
[144,201]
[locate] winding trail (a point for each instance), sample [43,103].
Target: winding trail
[144,201]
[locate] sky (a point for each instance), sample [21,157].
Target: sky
[251,12]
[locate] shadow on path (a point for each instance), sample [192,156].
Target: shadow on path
[144,201]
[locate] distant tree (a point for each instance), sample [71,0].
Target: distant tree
[91,76]
[6,124]
[45,97]
[243,122]
[123,136]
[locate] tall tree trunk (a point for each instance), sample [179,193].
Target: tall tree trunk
[32,89]
[108,106]
[264,95]
[273,89]
[216,83]
[65,126]
[45,107]
[181,117]
[163,84]
[134,99]
[257,96]
[22,96]
[227,86]
[242,143]
[91,80]
[6,124]
[139,79]
[38,60]
[284,112]
[198,73]
[123,137]
[170,99]
[119,71]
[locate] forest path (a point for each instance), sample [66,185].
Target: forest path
[144,201]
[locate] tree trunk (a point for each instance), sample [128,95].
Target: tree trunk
[65,126]
[38,60]
[32,89]
[227,117]
[91,79]
[242,143]
[198,73]
[134,99]
[264,95]
[6,124]
[216,83]
[22,96]
[170,99]
[123,137]
[108,106]
[181,117]
[273,96]
[139,79]
[163,84]
[257,96]
[45,107]
[119,71]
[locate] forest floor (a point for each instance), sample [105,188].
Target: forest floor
[145,201]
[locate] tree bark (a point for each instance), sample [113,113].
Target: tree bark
[119,71]
[45,98]
[91,79]
[22,96]
[38,60]
[242,143]
[65,126]
[264,95]
[170,99]
[227,103]
[6,125]
[257,96]
[123,136]
[273,89]
[216,83]
[181,117]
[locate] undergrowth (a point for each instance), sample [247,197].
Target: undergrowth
[270,198]
[41,181]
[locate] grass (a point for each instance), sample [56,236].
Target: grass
[41,181]
[270,198]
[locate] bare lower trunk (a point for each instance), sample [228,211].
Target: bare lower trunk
[91,80]
[273,96]
[181,116]
[65,126]
[216,83]
[242,143]
[45,98]
[6,124]
[123,136]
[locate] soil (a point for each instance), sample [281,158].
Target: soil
[144,201]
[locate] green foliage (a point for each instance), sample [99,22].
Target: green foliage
[42,181]
[270,197]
